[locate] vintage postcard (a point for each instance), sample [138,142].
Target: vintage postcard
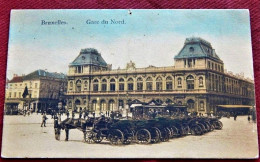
[130,84]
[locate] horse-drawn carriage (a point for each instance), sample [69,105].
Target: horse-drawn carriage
[149,124]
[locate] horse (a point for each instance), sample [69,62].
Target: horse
[71,123]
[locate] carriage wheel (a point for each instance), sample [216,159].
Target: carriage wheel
[143,136]
[185,130]
[175,131]
[129,137]
[166,135]
[97,137]
[220,124]
[196,130]
[202,127]
[155,135]
[89,137]
[116,137]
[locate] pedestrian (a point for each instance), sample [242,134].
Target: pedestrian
[68,113]
[85,114]
[44,118]
[80,114]
[248,118]
[106,113]
[235,117]
[73,114]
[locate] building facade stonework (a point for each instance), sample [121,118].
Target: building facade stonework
[44,90]
[197,79]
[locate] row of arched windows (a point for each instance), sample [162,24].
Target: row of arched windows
[129,85]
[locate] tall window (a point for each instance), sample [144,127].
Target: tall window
[95,85]
[36,86]
[149,84]
[139,84]
[121,84]
[190,82]
[130,84]
[78,85]
[201,81]
[71,84]
[159,84]
[111,105]
[121,103]
[190,104]
[94,105]
[112,85]
[179,82]
[201,105]
[169,83]
[85,85]
[103,105]
[104,85]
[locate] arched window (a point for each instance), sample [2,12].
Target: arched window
[104,85]
[78,85]
[159,84]
[159,101]
[149,84]
[121,84]
[77,102]
[179,82]
[130,84]
[139,84]
[201,81]
[94,105]
[168,101]
[112,85]
[169,83]
[190,82]
[95,85]
[103,105]
[111,105]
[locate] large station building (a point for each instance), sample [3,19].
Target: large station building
[197,79]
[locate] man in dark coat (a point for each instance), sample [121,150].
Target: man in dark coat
[44,118]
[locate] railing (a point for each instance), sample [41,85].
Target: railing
[137,92]
[137,70]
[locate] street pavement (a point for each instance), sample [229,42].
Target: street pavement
[23,137]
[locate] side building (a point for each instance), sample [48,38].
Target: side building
[197,79]
[45,90]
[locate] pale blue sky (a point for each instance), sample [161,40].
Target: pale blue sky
[148,37]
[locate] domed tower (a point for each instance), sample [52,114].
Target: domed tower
[88,60]
[198,53]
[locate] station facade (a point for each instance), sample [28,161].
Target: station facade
[197,79]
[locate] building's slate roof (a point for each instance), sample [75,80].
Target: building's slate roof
[89,56]
[202,48]
[42,73]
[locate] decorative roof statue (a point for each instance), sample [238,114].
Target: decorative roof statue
[130,65]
